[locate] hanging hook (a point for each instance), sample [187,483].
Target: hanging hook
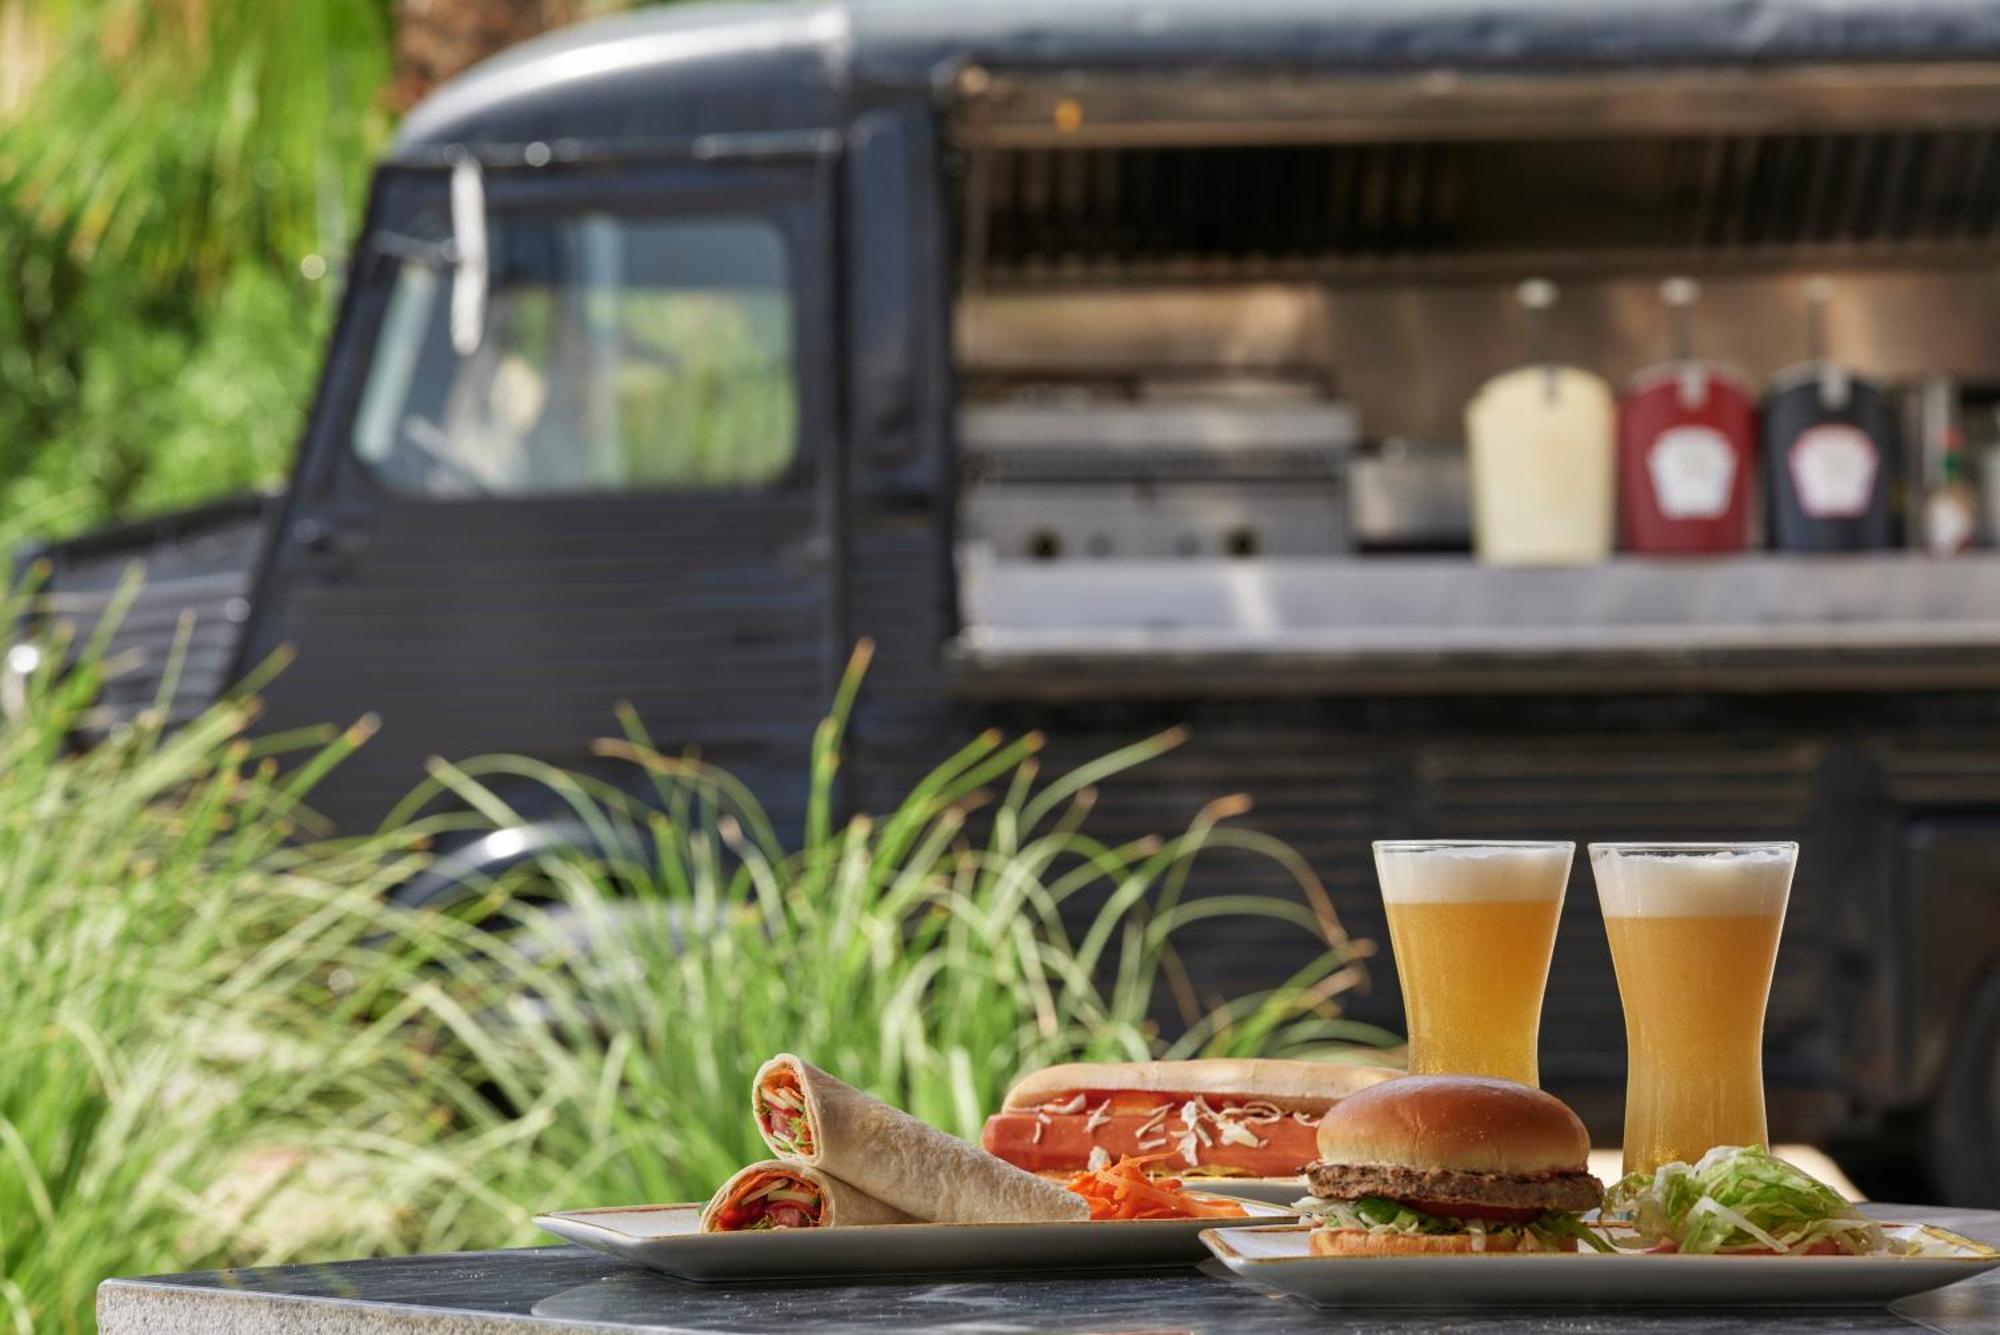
[1680,294]
[1832,378]
[1819,291]
[1537,296]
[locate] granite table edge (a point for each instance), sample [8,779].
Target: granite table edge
[159,1303]
[255,1302]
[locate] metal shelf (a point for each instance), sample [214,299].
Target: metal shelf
[1755,624]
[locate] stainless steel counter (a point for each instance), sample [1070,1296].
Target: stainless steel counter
[1757,623]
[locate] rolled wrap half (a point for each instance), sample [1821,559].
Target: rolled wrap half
[805,1114]
[764,1195]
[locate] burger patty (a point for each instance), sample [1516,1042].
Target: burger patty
[1445,1187]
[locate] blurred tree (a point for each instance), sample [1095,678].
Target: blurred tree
[180,137]
[177,181]
[436,39]
[174,175]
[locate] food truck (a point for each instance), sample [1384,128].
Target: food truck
[1128,364]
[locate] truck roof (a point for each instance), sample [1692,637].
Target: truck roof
[688,70]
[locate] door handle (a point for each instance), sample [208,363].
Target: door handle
[313,535]
[320,538]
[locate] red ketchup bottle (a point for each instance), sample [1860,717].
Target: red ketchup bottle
[1687,433]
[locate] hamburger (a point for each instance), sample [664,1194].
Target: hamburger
[1437,1163]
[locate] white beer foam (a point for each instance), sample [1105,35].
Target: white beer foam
[1449,874]
[1693,885]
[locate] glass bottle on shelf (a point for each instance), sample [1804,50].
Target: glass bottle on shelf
[1541,442]
[1830,450]
[1687,443]
[1948,512]
[1988,483]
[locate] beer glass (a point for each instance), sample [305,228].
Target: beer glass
[1473,924]
[1694,935]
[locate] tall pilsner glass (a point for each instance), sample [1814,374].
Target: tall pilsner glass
[1473,925]
[1694,935]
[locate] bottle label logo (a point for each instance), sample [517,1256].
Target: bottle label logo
[1692,469]
[1833,471]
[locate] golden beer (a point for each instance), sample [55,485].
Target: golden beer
[1694,937]
[1473,926]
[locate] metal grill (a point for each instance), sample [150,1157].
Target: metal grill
[1247,211]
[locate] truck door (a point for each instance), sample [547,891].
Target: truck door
[627,491]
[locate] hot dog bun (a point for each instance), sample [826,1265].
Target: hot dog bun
[1294,1086]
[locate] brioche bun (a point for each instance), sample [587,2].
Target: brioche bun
[1354,1242]
[1464,1123]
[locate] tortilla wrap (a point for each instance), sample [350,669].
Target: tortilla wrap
[907,1163]
[841,1206]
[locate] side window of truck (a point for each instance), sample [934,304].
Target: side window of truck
[619,354]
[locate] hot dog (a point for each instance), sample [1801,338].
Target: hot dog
[1220,1117]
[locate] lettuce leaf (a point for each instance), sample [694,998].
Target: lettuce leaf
[1739,1197]
[1373,1214]
[1562,1224]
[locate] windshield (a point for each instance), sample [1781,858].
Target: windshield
[619,353]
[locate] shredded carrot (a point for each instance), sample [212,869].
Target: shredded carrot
[1124,1191]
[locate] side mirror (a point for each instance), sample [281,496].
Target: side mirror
[469,266]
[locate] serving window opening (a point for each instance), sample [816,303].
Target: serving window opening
[1215,353]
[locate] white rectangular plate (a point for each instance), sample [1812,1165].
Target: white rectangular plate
[668,1238]
[1278,1258]
[1270,1190]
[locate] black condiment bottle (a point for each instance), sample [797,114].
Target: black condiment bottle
[1830,450]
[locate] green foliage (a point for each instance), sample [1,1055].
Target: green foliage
[704,388]
[132,415]
[225,1045]
[178,139]
[214,1045]
[174,165]
[930,954]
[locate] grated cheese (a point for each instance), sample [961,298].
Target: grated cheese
[1235,1133]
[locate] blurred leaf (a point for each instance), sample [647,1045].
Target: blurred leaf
[181,137]
[166,176]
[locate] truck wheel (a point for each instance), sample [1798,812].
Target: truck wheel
[1964,1143]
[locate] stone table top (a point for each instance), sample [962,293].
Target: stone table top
[567,1289]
